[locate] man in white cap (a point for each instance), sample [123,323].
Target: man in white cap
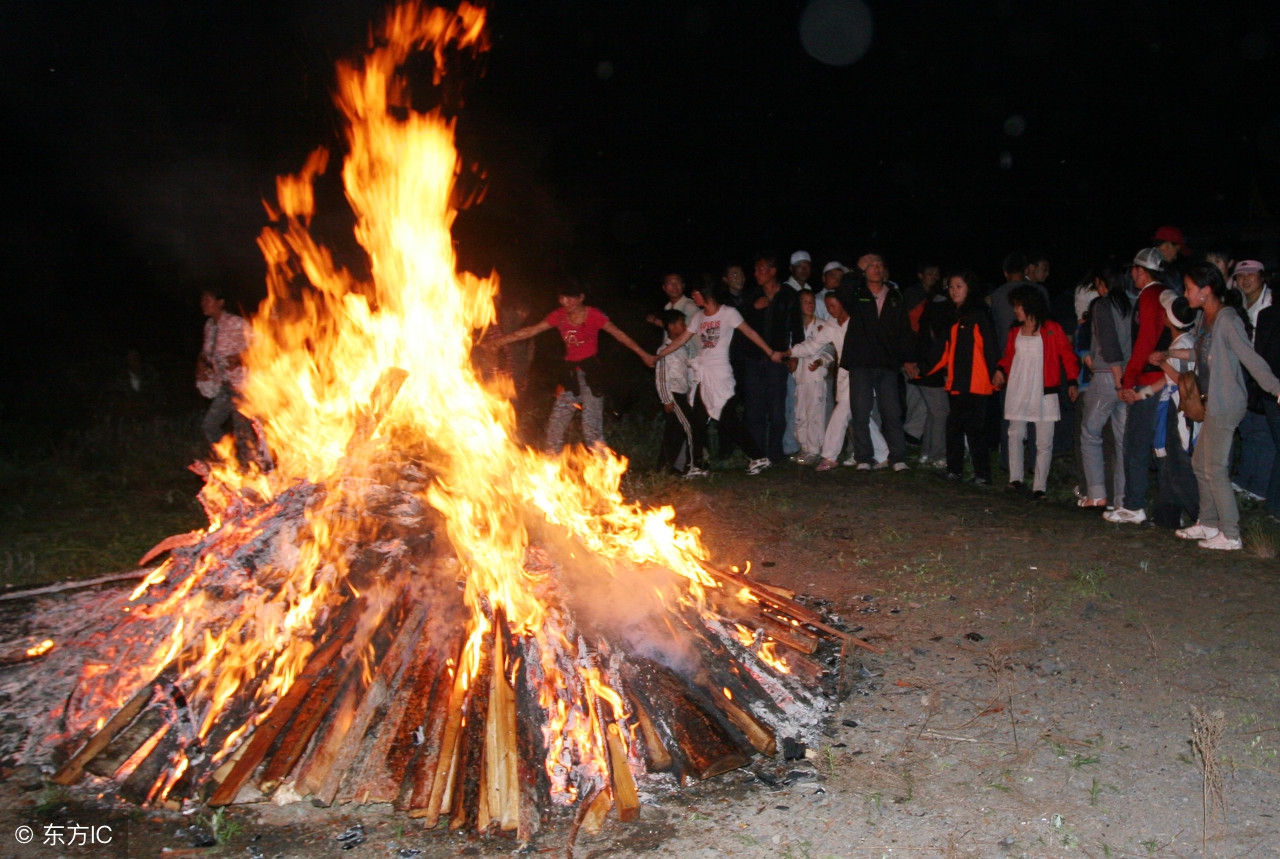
[1257,450]
[801,268]
[1140,427]
[832,273]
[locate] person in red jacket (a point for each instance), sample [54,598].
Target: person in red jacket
[1031,372]
[1150,335]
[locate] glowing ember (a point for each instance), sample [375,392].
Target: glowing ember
[40,649]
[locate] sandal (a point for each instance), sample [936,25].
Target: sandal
[1091,502]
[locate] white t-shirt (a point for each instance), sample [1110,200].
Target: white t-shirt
[714,334]
[712,371]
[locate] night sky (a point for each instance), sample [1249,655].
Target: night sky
[620,139]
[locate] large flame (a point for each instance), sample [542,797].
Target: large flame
[324,339]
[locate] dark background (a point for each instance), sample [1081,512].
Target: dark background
[618,139]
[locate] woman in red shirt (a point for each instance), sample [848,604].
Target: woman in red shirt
[1034,357]
[581,382]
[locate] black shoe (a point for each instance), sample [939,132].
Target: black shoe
[1015,486]
[1038,495]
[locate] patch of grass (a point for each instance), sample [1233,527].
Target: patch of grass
[1261,540]
[1089,582]
[97,499]
[221,827]
[1096,789]
[52,798]
[1082,761]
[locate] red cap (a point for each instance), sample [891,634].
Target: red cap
[1171,234]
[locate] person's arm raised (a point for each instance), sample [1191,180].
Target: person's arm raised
[520,334]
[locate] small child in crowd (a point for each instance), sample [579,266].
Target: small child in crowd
[672,380]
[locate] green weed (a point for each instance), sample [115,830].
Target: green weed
[1082,761]
[1089,582]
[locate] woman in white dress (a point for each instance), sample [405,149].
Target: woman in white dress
[1031,372]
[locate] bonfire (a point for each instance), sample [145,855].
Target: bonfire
[412,607]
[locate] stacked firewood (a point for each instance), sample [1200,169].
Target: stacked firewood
[381,712]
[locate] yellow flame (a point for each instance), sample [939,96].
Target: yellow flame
[323,342]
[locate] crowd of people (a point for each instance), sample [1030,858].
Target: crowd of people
[1163,362]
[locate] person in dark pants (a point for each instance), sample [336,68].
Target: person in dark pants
[715,326]
[879,345]
[672,381]
[1177,492]
[1150,335]
[774,313]
[1266,341]
[971,353]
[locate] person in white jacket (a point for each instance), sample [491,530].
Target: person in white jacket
[810,376]
[830,336]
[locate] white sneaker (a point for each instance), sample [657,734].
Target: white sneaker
[1125,516]
[850,461]
[862,466]
[694,473]
[1197,532]
[900,467]
[922,461]
[1222,541]
[756,466]
[880,466]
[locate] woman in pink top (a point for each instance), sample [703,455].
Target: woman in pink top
[581,385]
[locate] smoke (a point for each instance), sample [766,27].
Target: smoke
[629,604]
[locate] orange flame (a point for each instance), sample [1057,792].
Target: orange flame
[322,341]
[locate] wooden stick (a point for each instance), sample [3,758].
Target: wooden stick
[315,684]
[373,704]
[597,810]
[801,613]
[444,783]
[501,753]
[656,756]
[126,575]
[796,639]
[71,772]
[383,773]
[470,754]
[624,785]
[531,763]
[177,541]
[703,741]
[339,732]
[760,736]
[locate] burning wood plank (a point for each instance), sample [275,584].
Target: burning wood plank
[313,688]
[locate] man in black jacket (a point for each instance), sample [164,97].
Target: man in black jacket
[877,345]
[774,312]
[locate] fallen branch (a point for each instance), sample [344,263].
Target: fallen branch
[126,575]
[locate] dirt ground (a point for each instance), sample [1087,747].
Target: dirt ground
[1036,696]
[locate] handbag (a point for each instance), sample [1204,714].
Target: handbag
[1190,400]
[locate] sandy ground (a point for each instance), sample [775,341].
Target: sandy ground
[1035,696]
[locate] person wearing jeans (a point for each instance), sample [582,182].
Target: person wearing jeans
[582,376]
[1222,349]
[1110,316]
[1140,425]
